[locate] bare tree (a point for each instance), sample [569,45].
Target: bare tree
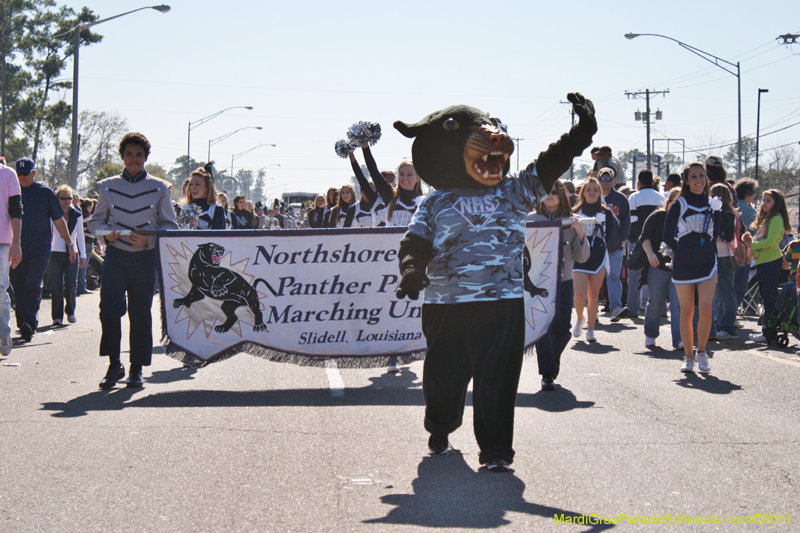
[100,131]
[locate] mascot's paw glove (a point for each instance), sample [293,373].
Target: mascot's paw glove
[414,255]
[584,108]
[411,283]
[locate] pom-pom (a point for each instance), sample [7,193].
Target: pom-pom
[188,212]
[600,218]
[344,148]
[715,203]
[362,132]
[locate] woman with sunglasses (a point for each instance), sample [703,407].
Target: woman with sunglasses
[588,275]
[691,230]
[63,274]
[574,247]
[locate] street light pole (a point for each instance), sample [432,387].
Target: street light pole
[758,125]
[711,58]
[196,123]
[212,142]
[235,156]
[76,41]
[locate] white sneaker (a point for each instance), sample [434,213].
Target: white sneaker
[393,369]
[649,342]
[724,336]
[72,319]
[758,337]
[688,365]
[56,321]
[576,331]
[702,362]
[590,336]
[5,345]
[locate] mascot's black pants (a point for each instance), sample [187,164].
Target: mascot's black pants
[132,274]
[479,341]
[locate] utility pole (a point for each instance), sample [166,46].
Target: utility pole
[516,141]
[646,117]
[572,165]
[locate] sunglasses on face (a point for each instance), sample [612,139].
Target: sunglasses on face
[605,178]
[66,199]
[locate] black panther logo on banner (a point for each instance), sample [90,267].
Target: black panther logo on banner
[210,279]
[527,284]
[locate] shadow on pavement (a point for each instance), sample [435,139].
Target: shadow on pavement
[707,383]
[662,353]
[405,390]
[598,347]
[449,494]
[557,401]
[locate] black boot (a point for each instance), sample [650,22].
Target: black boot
[135,376]
[115,373]
[547,382]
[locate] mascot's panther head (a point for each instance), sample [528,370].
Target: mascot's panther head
[459,147]
[211,253]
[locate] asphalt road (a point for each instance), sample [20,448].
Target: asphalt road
[250,445]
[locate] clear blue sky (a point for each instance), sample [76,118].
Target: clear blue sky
[312,68]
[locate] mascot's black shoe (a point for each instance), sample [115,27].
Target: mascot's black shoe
[498,466]
[547,383]
[438,445]
[135,377]
[115,373]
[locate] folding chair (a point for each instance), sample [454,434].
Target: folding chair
[750,302]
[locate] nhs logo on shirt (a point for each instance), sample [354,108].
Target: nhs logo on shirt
[477,211]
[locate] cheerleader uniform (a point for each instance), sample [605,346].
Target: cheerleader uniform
[213,216]
[600,237]
[404,209]
[691,230]
[339,222]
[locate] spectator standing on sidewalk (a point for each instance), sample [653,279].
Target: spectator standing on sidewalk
[39,207]
[642,203]
[133,199]
[62,272]
[10,249]
[618,204]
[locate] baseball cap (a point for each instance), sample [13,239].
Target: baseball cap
[714,161]
[605,171]
[25,166]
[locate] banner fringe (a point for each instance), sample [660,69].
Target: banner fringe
[277,356]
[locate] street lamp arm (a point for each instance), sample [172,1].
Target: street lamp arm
[711,58]
[196,123]
[212,142]
[237,156]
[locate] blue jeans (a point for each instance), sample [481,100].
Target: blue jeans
[614,283]
[787,299]
[740,281]
[27,282]
[725,296]
[634,294]
[660,284]
[63,283]
[768,274]
[5,301]
[552,344]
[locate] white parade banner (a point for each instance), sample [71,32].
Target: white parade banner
[304,296]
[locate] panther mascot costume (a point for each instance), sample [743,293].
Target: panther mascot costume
[464,249]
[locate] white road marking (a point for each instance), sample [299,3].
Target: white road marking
[334,378]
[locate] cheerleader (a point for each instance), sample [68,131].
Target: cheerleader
[338,214]
[203,193]
[403,199]
[316,218]
[588,275]
[691,230]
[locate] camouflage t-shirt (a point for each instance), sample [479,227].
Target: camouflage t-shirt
[477,236]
